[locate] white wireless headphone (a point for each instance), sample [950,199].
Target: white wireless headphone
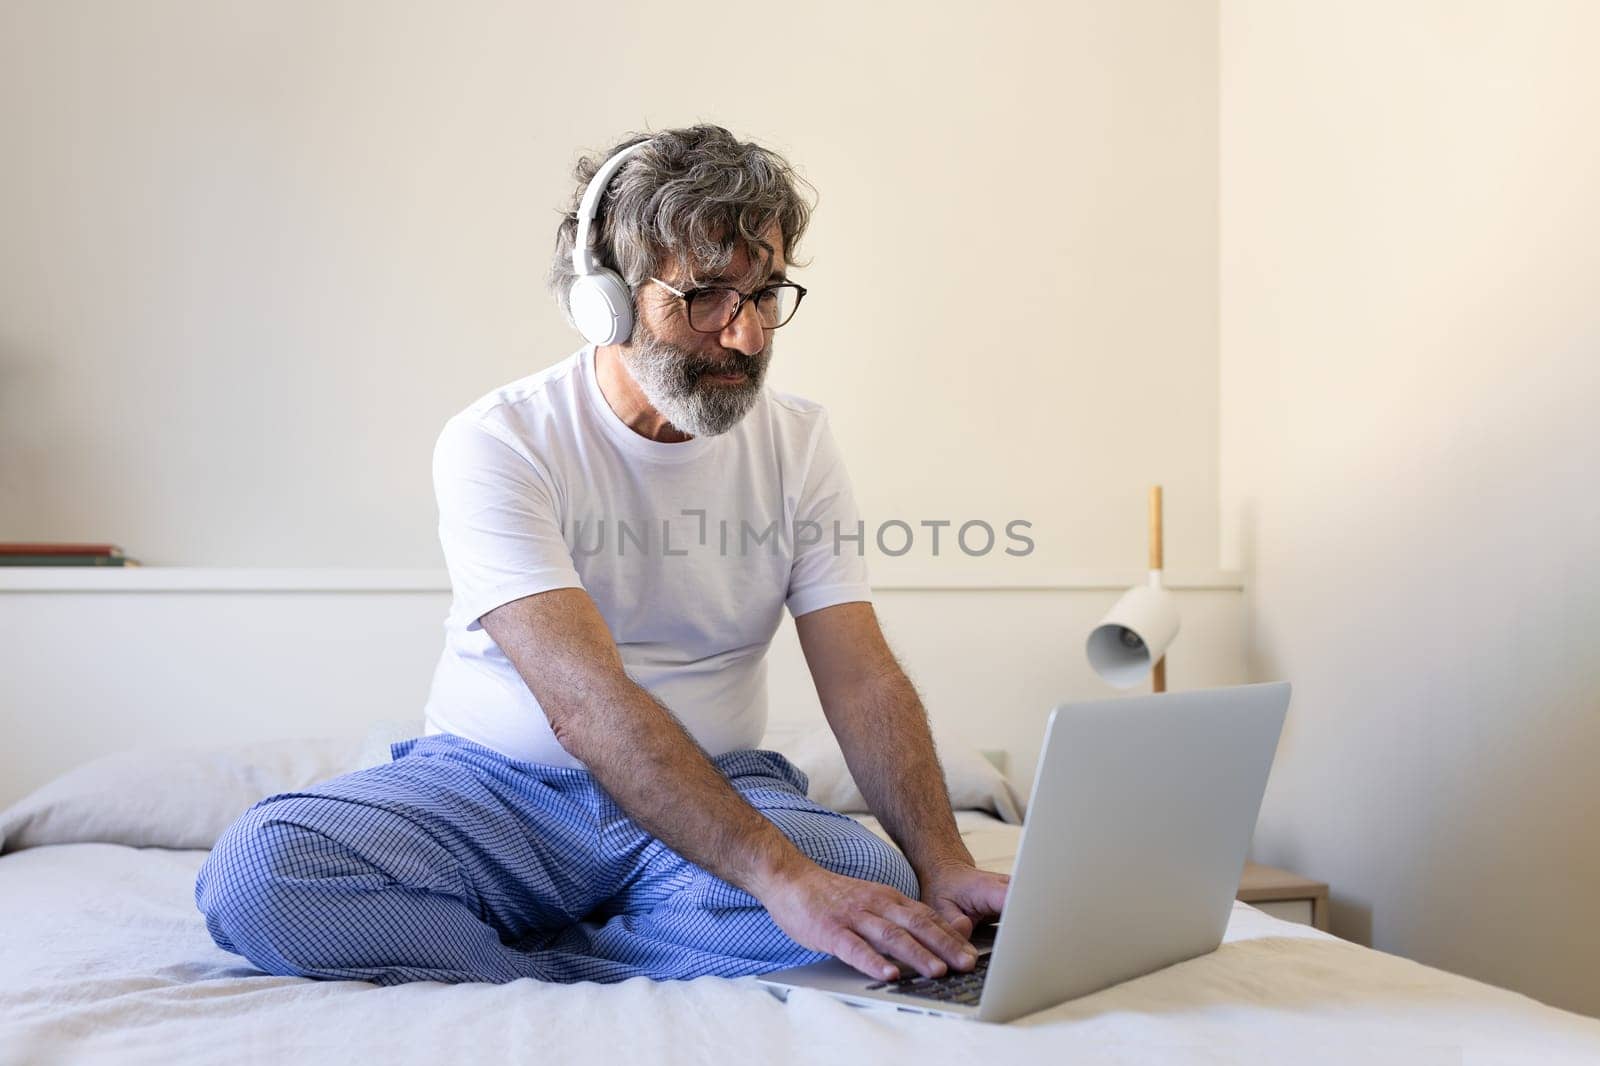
[599,302]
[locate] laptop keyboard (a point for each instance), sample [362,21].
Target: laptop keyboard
[953,987]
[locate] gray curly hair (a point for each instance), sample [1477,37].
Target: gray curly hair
[697,193]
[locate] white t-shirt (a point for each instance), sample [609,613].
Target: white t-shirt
[691,551]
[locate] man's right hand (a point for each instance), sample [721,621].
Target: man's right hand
[861,922]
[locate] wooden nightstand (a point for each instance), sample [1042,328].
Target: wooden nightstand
[1285,895]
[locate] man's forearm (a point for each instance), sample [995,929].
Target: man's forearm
[644,759]
[883,731]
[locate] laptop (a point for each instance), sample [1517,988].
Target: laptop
[1130,856]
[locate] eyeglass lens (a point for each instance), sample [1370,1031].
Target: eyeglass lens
[711,310]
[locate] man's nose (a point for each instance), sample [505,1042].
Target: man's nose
[744,333]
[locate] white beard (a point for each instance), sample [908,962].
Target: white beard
[669,377]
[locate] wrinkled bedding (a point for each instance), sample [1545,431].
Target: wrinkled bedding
[103,958]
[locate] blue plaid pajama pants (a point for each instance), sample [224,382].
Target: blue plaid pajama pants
[456,863]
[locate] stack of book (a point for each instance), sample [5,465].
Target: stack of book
[64,555]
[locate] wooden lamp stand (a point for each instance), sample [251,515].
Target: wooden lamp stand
[1158,672]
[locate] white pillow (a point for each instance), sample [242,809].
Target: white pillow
[169,797]
[184,797]
[382,735]
[974,782]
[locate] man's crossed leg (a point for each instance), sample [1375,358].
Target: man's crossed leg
[455,863]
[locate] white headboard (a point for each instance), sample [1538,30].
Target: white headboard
[94,662]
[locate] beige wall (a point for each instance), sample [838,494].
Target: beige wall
[253,255]
[1410,339]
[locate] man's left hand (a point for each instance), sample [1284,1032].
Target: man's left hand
[964,895]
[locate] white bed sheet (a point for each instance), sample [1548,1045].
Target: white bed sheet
[105,959]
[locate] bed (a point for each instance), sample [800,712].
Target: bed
[105,959]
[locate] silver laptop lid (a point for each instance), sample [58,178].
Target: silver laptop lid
[1141,814]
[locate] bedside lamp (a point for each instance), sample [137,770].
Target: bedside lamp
[1132,639]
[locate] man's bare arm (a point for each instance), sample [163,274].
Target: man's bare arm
[641,755]
[883,731]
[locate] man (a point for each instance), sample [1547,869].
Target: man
[623,531]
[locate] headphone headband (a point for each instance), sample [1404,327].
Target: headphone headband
[583,261]
[599,302]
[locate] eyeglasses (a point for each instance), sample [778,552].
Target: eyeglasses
[712,310]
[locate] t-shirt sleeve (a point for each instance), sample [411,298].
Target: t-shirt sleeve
[499,524]
[830,564]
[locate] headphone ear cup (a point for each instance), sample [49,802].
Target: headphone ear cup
[601,307]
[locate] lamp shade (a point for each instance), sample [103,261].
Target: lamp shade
[1134,635]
